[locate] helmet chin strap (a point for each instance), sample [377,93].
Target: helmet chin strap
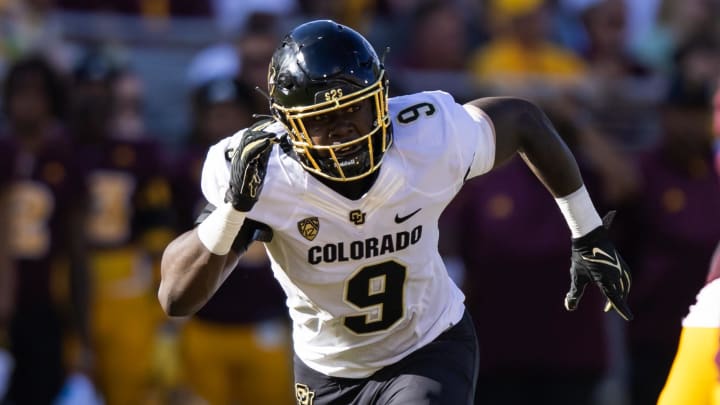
[351,167]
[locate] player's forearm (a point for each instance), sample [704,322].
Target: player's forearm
[547,154]
[190,274]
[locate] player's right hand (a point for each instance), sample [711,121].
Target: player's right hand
[249,166]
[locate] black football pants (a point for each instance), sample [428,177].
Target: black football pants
[442,373]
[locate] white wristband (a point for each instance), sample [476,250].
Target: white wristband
[579,212]
[218,231]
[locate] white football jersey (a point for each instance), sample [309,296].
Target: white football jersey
[365,283]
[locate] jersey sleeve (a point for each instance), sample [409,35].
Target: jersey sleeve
[483,157]
[473,135]
[216,170]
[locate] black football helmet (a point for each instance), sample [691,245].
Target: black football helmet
[322,66]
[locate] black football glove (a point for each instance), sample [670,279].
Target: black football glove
[249,166]
[595,258]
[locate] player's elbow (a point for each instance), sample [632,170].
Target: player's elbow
[173,302]
[190,275]
[168,303]
[176,292]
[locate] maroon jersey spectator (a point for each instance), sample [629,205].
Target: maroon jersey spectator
[46,243]
[131,191]
[128,223]
[44,222]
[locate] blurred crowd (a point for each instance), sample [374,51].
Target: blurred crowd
[108,108]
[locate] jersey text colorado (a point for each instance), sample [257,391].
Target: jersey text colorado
[363,249]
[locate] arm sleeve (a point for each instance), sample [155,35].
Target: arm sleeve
[216,169]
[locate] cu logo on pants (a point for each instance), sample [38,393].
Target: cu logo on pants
[303,394]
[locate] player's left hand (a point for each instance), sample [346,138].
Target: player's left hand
[595,259]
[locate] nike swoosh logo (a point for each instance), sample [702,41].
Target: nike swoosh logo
[400,220]
[611,261]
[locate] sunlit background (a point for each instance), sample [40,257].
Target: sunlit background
[109,106]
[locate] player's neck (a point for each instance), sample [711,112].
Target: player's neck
[351,190]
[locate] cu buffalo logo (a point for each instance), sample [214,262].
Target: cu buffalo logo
[357,217]
[303,394]
[309,227]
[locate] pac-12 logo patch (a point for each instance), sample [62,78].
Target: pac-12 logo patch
[309,227]
[303,394]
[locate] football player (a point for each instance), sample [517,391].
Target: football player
[694,377]
[345,186]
